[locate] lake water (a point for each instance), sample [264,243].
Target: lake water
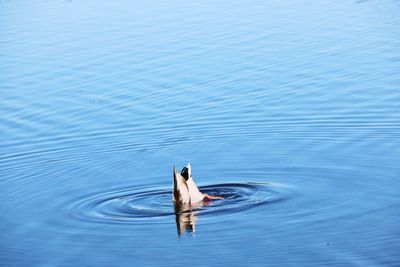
[288,109]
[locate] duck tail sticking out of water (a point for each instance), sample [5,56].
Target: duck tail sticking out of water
[185,190]
[180,189]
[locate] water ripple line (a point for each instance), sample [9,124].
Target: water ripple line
[139,204]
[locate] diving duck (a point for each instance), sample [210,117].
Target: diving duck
[185,190]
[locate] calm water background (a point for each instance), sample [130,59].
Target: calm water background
[99,99]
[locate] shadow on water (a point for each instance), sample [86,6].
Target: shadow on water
[186,217]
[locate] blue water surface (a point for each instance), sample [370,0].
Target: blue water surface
[288,109]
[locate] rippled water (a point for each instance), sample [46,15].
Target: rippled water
[288,109]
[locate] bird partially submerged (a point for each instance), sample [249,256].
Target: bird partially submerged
[185,190]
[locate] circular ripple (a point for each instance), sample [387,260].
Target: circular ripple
[129,205]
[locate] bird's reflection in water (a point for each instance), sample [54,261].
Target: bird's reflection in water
[186,217]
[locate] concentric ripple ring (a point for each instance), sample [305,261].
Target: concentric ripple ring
[145,203]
